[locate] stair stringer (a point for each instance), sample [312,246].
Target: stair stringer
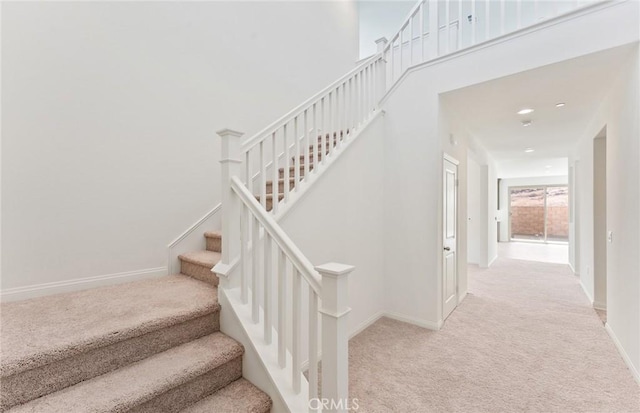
[260,363]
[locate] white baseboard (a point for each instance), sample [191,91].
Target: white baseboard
[623,353]
[573,270]
[599,305]
[420,323]
[586,292]
[39,290]
[462,296]
[492,261]
[367,323]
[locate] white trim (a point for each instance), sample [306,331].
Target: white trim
[573,270]
[450,158]
[38,290]
[598,305]
[366,324]
[623,353]
[492,261]
[462,296]
[172,255]
[586,292]
[553,21]
[420,323]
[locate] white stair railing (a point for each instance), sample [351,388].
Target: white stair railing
[299,144]
[462,24]
[266,259]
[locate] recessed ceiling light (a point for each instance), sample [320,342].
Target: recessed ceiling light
[559,105]
[548,166]
[524,111]
[526,123]
[529,150]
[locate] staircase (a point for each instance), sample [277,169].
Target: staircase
[147,346]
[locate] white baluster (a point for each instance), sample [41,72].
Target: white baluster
[421,31]
[255,261]
[381,44]
[519,13]
[335,334]
[401,54]
[296,158]
[473,22]
[275,190]
[487,18]
[502,16]
[314,138]
[434,29]
[263,176]
[410,41]
[447,18]
[313,344]
[244,254]
[231,165]
[268,320]
[306,145]
[331,125]
[286,175]
[282,310]
[393,59]
[323,130]
[295,331]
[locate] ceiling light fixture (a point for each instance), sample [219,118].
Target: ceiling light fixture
[529,150]
[548,166]
[559,105]
[526,123]
[525,111]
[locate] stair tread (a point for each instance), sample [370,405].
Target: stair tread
[127,387]
[213,234]
[204,257]
[238,397]
[39,331]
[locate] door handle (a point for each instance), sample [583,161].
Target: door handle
[447,249]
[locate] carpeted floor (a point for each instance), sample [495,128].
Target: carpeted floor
[524,340]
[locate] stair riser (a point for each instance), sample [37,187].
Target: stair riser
[214,244]
[189,393]
[31,384]
[198,272]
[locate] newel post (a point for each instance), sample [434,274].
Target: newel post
[335,335]
[231,162]
[381,85]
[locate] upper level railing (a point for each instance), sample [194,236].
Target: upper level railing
[436,28]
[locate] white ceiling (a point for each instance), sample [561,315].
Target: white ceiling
[488,112]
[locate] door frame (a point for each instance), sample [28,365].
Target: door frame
[448,158]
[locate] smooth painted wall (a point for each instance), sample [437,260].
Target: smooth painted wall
[619,113]
[109,115]
[380,19]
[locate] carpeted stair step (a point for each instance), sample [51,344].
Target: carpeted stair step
[311,158]
[53,342]
[214,241]
[238,397]
[292,184]
[163,383]
[198,264]
[269,200]
[292,171]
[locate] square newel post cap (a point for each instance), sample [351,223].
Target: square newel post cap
[334,269]
[229,132]
[381,43]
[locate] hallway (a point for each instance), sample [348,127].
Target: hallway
[524,339]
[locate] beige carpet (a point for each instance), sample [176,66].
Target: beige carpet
[524,340]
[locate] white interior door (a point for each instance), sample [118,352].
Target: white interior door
[449,233]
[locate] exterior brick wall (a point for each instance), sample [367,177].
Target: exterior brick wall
[529,220]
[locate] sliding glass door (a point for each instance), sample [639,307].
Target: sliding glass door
[539,213]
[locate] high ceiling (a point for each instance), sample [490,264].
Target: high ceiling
[489,112]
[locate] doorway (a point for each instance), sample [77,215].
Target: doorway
[600,222]
[539,214]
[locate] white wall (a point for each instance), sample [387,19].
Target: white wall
[340,220]
[619,113]
[380,19]
[475,218]
[415,136]
[505,184]
[109,118]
